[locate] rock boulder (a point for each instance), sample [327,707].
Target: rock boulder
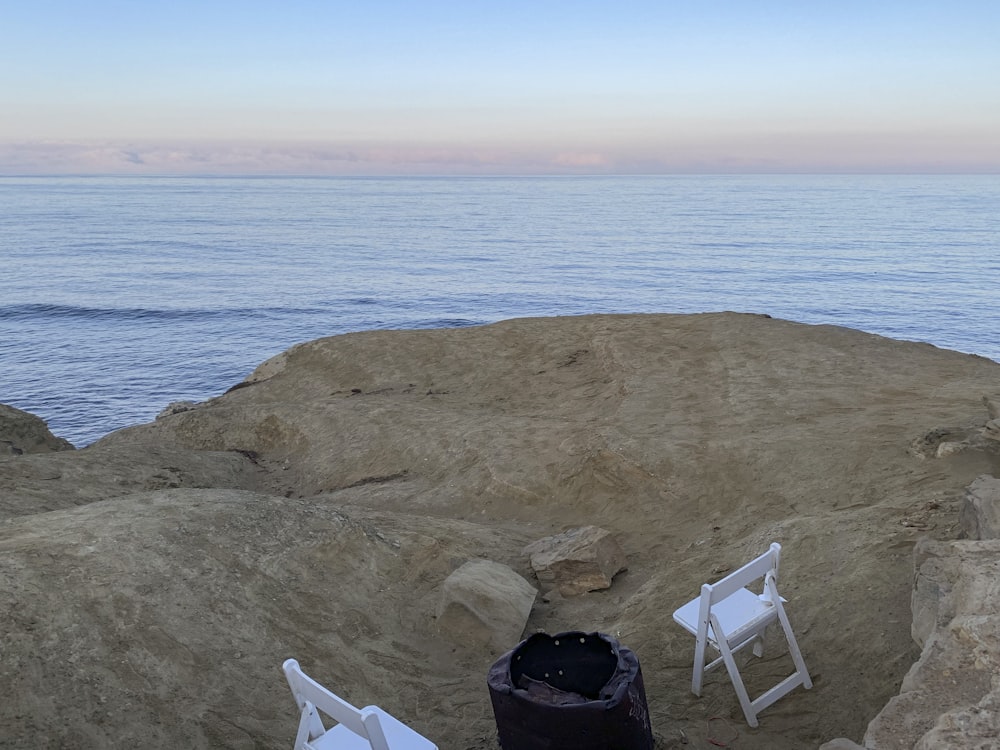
[21,432]
[577,561]
[979,515]
[949,697]
[485,603]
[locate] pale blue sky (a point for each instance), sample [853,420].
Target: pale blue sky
[475,87]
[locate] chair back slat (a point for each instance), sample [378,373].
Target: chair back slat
[306,688]
[746,575]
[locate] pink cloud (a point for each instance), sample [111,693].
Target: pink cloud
[662,153]
[582,159]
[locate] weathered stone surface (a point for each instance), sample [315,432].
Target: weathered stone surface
[44,482]
[971,728]
[137,596]
[841,743]
[953,579]
[979,515]
[945,442]
[176,407]
[950,449]
[992,406]
[153,604]
[956,617]
[21,432]
[485,603]
[577,561]
[992,430]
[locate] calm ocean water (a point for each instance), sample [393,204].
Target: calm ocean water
[121,295]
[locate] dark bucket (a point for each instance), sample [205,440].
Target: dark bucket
[570,691]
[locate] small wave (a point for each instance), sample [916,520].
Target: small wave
[43,311]
[447,323]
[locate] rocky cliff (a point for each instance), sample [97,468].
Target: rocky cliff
[154,581]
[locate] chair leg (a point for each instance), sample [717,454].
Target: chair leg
[738,686]
[735,677]
[793,649]
[310,726]
[698,672]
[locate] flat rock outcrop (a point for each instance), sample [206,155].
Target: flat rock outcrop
[156,580]
[21,432]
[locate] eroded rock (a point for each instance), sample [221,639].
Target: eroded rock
[577,561]
[692,437]
[974,727]
[21,432]
[841,743]
[992,430]
[992,404]
[979,515]
[956,618]
[485,603]
[176,407]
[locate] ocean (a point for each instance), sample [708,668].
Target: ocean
[120,295]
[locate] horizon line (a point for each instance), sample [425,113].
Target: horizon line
[990,172]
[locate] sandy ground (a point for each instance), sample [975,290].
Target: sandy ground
[154,583]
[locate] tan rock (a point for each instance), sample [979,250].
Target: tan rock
[956,617]
[979,513]
[176,407]
[485,603]
[151,605]
[21,432]
[39,483]
[841,743]
[577,561]
[950,448]
[992,430]
[992,406]
[974,727]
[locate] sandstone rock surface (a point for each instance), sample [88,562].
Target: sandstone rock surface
[992,404]
[154,582]
[577,561]
[980,512]
[841,743]
[21,432]
[949,697]
[485,604]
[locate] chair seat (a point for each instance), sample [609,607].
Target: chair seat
[339,738]
[397,734]
[741,615]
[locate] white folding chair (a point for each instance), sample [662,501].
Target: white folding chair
[727,616]
[369,728]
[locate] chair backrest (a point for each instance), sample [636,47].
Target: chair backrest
[738,579]
[765,566]
[307,691]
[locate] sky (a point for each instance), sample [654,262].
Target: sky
[376,87]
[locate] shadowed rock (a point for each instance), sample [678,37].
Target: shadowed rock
[21,432]
[979,516]
[949,697]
